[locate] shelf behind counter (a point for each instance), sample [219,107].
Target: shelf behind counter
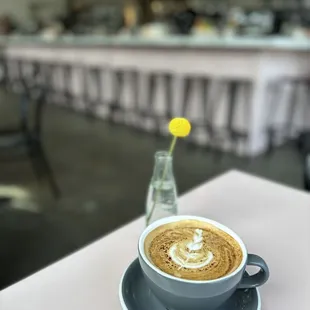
[177,42]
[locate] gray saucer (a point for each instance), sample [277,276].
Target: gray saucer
[134,294]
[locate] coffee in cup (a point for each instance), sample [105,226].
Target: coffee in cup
[193,250]
[191,262]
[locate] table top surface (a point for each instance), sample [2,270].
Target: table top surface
[169,41]
[273,221]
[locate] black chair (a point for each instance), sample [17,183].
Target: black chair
[29,75]
[25,138]
[22,75]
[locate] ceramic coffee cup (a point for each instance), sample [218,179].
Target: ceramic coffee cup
[180,294]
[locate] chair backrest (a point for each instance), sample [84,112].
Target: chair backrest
[32,102]
[32,95]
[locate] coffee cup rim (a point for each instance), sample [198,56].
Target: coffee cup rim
[178,218]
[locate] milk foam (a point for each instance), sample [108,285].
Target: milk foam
[187,255]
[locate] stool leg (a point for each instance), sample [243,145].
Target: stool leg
[21,78]
[136,98]
[43,79]
[168,100]
[212,109]
[68,85]
[95,77]
[84,81]
[169,97]
[57,87]
[48,72]
[232,103]
[99,91]
[9,72]
[5,74]
[117,92]
[207,109]
[42,168]
[187,86]
[306,113]
[291,110]
[150,113]
[274,92]
[305,104]
[246,117]
[187,89]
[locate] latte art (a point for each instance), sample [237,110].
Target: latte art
[193,250]
[188,259]
[191,254]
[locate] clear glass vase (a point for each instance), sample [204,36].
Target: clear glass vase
[162,194]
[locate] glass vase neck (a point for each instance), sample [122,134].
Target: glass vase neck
[163,166]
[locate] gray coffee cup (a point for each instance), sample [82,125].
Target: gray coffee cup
[180,294]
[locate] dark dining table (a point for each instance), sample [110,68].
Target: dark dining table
[29,241]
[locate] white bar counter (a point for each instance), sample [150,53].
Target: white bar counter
[257,60]
[272,220]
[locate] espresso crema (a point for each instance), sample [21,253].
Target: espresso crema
[193,250]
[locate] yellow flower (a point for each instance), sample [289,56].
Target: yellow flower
[180,127]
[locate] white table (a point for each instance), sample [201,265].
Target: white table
[273,220]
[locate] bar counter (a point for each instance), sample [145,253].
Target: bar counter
[256,61]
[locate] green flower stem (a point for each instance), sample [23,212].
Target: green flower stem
[172,146]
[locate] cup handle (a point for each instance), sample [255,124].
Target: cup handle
[257,279]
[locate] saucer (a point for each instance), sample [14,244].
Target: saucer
[134,294]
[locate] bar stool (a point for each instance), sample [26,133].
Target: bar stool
[232,132]
[115,106]
[288,128]
[67,91]
[211,101]
[59,79]
[204,121]
[119,111]
[46,79]
[149,112]
[92,80]
[29,71]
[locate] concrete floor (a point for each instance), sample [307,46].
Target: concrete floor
[103,171]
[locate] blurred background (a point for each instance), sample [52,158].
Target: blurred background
[164,17]
[87,88]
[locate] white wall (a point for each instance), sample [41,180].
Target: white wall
[19,9]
